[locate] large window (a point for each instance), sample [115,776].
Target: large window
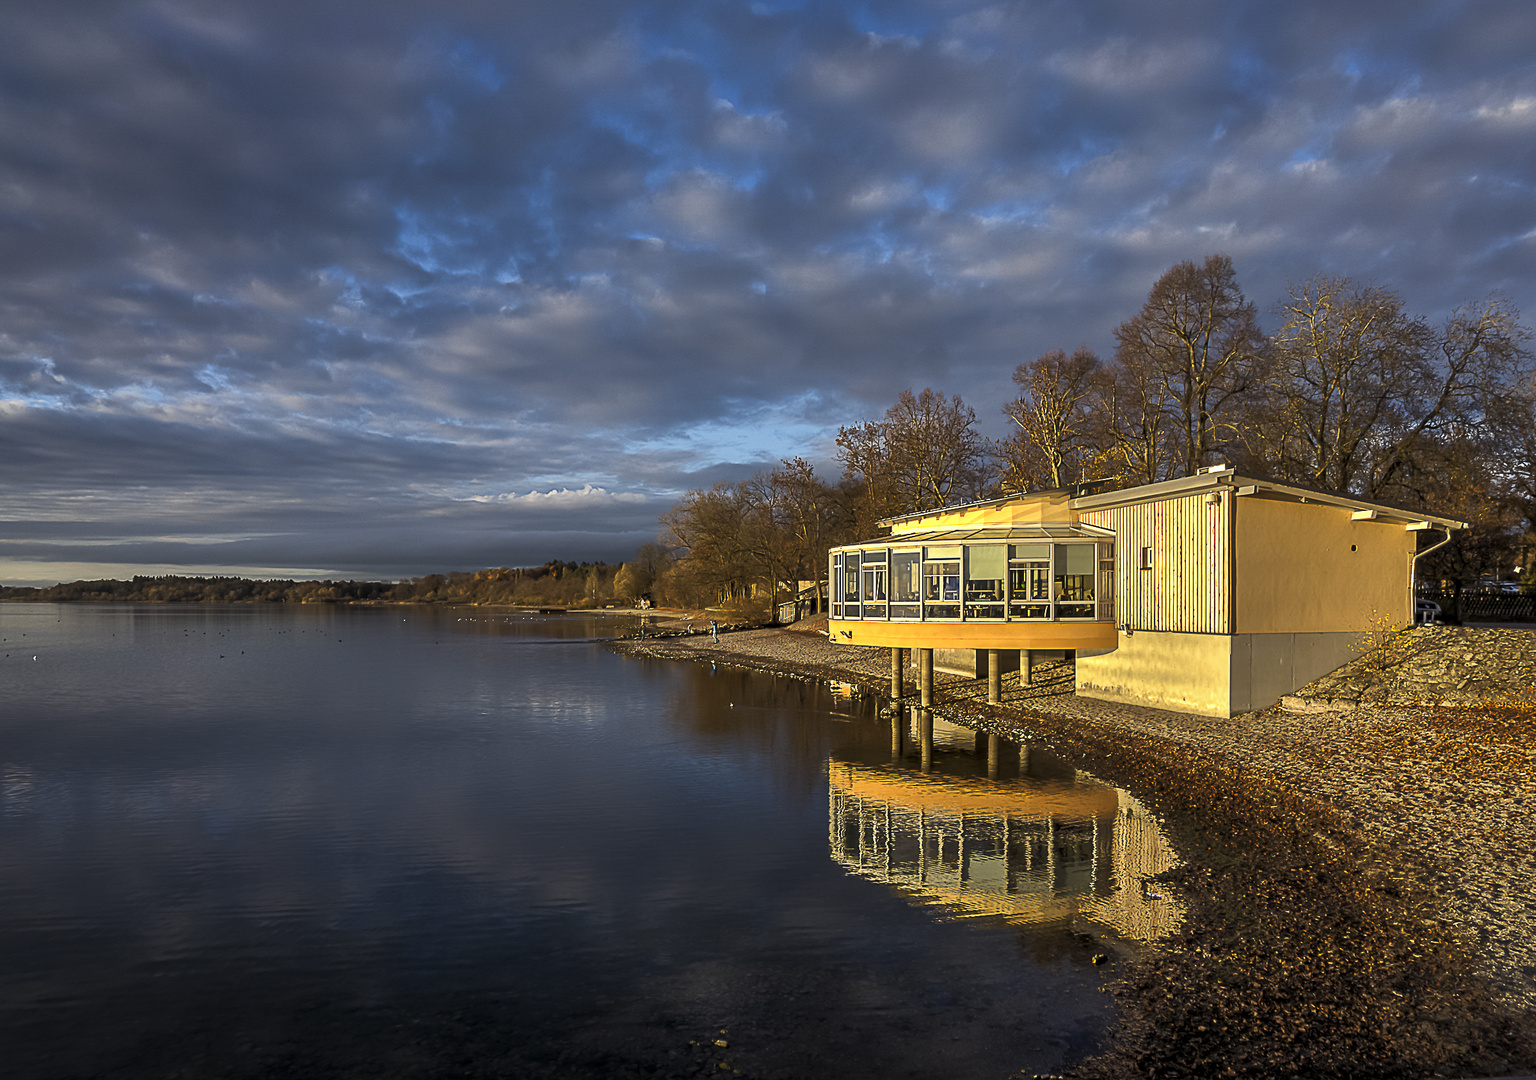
[1029,581]
[1106,582]
[874,591]
[941,583]
[985,570]
[906,585]
[1076,568]
[977,581]
[850,589]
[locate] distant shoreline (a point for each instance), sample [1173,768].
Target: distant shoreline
[333,602]
[555,584]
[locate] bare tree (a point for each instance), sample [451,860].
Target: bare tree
[753,538]
[869,483]
[1458,477]
[1199,337]
[925,454]
[1349,365]
[711,527]
[1514,426]
[1481,355]
[1054,416]
[1131,420]
[639,576]
[810,514]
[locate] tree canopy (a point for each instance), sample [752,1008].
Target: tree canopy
[1351,393]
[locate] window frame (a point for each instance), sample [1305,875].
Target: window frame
[945,591]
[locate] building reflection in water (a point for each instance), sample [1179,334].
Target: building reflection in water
[983,826]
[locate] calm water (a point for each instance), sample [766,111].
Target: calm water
[333,842]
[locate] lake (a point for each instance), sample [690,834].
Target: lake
[329,841]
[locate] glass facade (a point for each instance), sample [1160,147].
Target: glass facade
[906,585]
[976,582]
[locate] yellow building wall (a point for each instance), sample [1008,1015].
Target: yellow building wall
[1296,572]
[1183,672]
[1054,508]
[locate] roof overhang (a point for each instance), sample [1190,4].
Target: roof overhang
[1001,500]
[1014,534]
[1228,480]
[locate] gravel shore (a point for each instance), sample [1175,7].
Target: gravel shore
[1360,883]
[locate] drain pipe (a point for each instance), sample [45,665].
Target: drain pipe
[1413,574]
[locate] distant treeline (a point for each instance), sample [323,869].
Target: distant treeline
[555,584]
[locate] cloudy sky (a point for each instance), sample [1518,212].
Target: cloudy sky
[375,289]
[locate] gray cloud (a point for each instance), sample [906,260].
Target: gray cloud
[305,280]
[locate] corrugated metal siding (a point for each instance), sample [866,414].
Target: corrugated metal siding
[1188,588]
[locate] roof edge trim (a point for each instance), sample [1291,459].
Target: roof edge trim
[1223,481]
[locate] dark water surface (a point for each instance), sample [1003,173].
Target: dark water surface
[277,841]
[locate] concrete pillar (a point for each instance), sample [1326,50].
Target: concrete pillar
[896,673]
[994,679]
[994,748]
[925,675]
[1026,667]
[898,734]
[1023,759]
[925,732]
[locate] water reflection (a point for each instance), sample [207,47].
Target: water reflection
[983,826]
[322,841]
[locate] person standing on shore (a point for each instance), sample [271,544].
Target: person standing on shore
[714,631]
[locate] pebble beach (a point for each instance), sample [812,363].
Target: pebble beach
[1358,862]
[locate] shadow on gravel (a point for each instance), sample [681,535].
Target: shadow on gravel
[1307,950]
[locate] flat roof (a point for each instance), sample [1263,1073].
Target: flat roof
[999,501]
[1228,479]
[1014,533]
[1215,478]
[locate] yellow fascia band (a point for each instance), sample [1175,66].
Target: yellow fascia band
[937,635]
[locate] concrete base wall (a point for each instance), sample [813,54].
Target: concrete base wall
[972,663]
[1266,667]
[1211,674]
[1184,672]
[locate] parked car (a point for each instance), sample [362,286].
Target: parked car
[1427,613]
[1511,587]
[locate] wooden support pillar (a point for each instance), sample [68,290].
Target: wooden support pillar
[994,679]
[925,676]
[925,731]
[896,673]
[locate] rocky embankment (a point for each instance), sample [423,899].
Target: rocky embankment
[1431,665]
[1359,871]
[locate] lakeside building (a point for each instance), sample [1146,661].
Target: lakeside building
[1214,593]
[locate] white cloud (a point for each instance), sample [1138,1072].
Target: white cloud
[560,498]
[1517,112]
